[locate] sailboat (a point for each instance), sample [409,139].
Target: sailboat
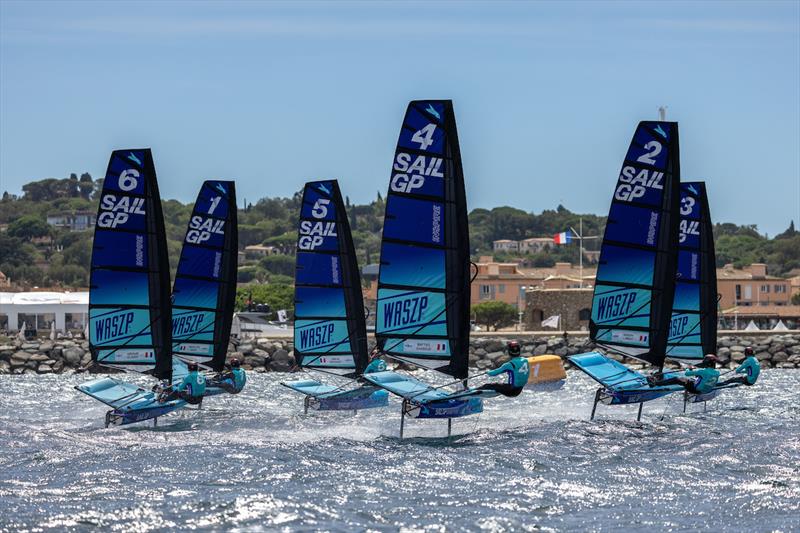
[636,276]
[424,278]
[330,331]
[129,300]
[204,292]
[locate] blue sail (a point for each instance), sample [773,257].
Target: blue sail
[635,283]
[424,281]
[205,283]
[129,300]
[330,333]
[693,329]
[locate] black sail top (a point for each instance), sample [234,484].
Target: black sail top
[635,282]
[129,299]
[424,279]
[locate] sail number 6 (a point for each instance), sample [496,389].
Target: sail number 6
[128,179]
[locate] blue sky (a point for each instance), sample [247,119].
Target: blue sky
[547,95]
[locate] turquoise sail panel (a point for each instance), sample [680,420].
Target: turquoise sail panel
[693,328]
[204,292]
[635,284]
[129,301]
[424,280]
[330,330]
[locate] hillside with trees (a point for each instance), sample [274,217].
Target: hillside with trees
[35,253]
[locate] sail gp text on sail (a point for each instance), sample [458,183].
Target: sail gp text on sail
[312,234]
[411,175]
[201,229]
[634,183]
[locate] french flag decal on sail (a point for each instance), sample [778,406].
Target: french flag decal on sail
[562,238]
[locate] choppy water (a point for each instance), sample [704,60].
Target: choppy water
[255,462]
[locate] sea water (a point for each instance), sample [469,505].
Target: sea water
[255,462]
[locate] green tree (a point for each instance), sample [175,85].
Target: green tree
[277,296]
[494,314]
[29,227]
[278,264]
[86,186]
[796,298]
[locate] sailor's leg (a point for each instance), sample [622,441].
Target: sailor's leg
[596,400]
[639,416]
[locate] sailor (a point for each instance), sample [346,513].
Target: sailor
[190,389]
[747,372]
[697,380]
[516,368]
[376,364]
[232,381]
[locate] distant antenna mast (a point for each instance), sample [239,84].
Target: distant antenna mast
[662,113]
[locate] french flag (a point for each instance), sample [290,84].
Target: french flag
[562,238]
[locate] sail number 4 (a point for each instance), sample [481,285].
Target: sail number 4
[424,136]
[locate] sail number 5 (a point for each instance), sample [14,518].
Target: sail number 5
[320,209]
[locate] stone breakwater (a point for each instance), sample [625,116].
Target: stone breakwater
[277,355]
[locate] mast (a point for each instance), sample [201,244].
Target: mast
[204,293]
[129,300]
[424,278]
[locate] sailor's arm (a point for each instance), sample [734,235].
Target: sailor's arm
[499,370]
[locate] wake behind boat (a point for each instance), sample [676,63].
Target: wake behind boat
[330,331]
[129,300]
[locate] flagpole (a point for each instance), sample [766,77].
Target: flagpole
[580,252]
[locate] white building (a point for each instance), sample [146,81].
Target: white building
[39,310]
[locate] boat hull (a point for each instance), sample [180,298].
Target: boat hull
[444,409]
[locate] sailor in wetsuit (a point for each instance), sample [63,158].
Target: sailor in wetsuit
[748,371]
[515,368]
[190,389]
[697,380]
[232,381]
[376,364]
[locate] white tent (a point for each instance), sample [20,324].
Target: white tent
[752,327]
[780,326]
[39,309]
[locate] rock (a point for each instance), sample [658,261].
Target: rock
[45,369]
[540,349]
[46,346]
[483,364]
[30,346]
[737,348]
[246,349]
[20,358]
[779,357]
[560,352]
[58,366]
[255,361]
[5,367]
[480,352]
[737,357]
[785,365]
[57,352]
[86,359]
[29,372]
[39,357]
[72,356]
[494,345]
[496,357]
[763,356]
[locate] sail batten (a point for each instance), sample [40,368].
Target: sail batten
[204,292]
[129,304]
[330,332]
[635,280]
[693,328]
[423,283]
